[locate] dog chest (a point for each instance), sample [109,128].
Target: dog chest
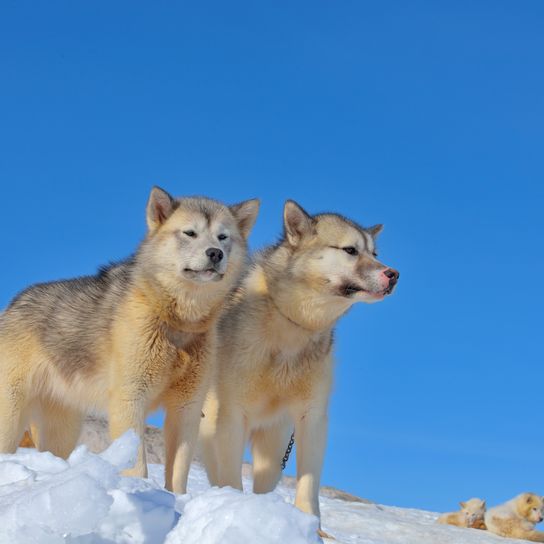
[289,376]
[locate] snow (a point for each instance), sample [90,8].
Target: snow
[230,516]
[84,500]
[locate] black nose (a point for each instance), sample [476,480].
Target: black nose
[393,275]
[215,254]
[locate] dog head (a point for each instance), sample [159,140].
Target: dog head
[531,507]
[337,256]
[474,511]
[196,240]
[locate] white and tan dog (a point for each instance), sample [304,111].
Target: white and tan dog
[517,517]
[137,335]
[275,341]
[471,515]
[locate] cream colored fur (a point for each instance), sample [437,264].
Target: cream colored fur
[517,517]
[139,335]
[275,364]
[471,515]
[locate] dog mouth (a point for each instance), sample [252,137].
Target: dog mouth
[350,290]
[204,275]
[389,289]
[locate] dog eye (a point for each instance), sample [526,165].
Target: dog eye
[222,237]
[374,254]
[190,233]
[350,250]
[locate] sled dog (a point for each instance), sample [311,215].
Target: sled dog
[137,335]
[274,348]
[517,517]
[471,515]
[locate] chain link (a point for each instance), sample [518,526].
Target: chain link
[288,452]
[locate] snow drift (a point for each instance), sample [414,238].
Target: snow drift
[84,500]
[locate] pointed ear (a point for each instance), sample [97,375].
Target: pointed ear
[297,222]
[462,504]
[484,505]
[375,230]
[246,214]
[159,208]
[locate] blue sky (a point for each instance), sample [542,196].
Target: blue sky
[424,116]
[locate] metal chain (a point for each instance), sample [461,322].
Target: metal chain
[288,451]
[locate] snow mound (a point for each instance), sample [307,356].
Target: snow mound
[84,500]
[228,516]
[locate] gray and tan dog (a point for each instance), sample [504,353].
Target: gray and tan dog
[275,342]
[136,336]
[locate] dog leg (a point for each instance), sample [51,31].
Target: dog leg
[180,436]
[268,448]
[13,414]
[208,455]
[56,428]
[207,442]
[231,439]
[311,435]
[124,415]
[533,536]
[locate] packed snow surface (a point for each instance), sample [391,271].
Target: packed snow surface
[84,500]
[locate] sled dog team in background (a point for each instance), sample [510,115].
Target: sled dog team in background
[471,515]
[189,324]
[514,519]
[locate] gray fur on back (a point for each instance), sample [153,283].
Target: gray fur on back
[70,316]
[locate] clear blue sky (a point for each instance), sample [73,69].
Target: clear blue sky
[425,116]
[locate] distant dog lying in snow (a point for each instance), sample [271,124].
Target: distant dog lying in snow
[471,515]
[517,517]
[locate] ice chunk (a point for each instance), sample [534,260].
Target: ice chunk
[139,517]
[37,462]
[73,504]
[81,500]
[11,472]
[122,453]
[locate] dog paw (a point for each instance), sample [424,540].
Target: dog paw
[323,534]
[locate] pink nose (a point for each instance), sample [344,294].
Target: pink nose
[392,275]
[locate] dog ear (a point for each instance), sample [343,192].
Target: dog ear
[484,505]
[159,208]
[462,504]
[375,230]
[296,222]
[246,214]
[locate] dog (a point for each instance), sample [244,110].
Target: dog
[517,517]
[471,515]
[137,335]
[274,343]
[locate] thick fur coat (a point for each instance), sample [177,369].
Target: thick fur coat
[138,335]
